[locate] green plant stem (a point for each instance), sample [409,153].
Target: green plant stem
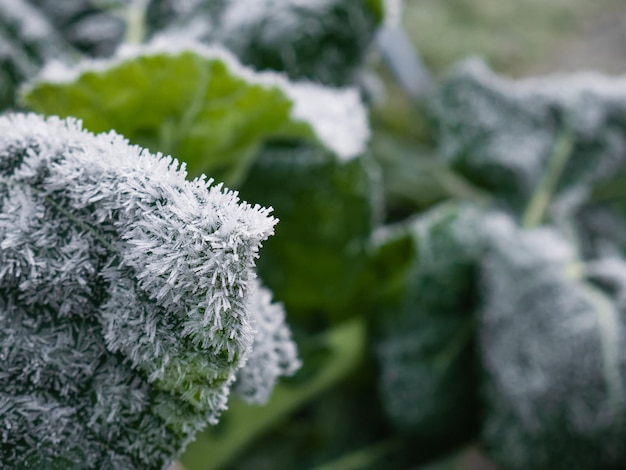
[459,188]
[540,199]
[242,423]
[136,21]
[457,344]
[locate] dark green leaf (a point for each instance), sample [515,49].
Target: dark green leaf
[541,139]
[325,41]
[326,210]
[553,350]
[425,348]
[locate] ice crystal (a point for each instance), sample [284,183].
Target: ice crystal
[273,353]
[124,292]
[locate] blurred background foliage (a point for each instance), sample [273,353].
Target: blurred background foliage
[344,428]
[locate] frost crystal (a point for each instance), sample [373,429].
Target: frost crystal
[273,353]
[123,298]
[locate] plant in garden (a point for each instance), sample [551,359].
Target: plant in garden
[480,303]
[133,287]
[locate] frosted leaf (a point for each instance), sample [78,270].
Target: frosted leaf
[552,348]
[502,133]
[322,40]
[273,354]
[123,297]
[425,347]
[334,117]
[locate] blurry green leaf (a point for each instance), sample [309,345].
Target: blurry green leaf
[506,136]
[27,39]
[97,27]
[199,105]
[552,348]
[90,26]
[325,41]
[326,210]
[425,347]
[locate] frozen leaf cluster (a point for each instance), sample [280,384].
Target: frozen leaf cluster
[491,316]
[125,299]
[553,349]
[502,134]
[273,352]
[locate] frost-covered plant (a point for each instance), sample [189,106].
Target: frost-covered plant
[269,34]
[276,140]
[273,353]
[127,300]
[553,348]
[504,134]
[507,323]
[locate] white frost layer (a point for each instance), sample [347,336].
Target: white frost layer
[337,116]
[557,87]
[273,354]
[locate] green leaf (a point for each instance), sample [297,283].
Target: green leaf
[531,141]
[323,41]
[552,345]
[200,105]
[327,210]
[425,343]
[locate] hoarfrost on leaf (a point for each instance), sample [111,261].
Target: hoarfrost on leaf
[503,134]
[124,293]
[186,116]
[552,348]
[273,354]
